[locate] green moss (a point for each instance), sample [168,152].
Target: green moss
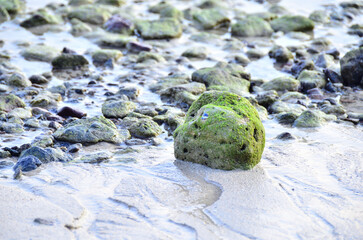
[210,18]
[292,23]
[41,17]
[145,128]
[252,27]
[231,136]
[94,14]
[164,28]
[10,102]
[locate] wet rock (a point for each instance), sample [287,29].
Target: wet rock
[252,27]
[11,127]
[333,52]
[159,29]
[27,163]
[10,102]
[46,155]
[210,18]
[173,118]
[4,154]
[292,23]
[337,110]
[74,148]
[287,118]
[196,53]
[100,57]
[116,3]
[352,4]
[136,47]
[311,118]
[79,28]
[284,107]
[146,56]
[94,14]
[356,29]
[324,60]
[4,15]
[90,130]
[172,12]
[18,80]
[117,109]
[351,67]
[222,130]
[281,84]
[195,88]
[22,113]
[41,17]
[241,59]
[211,4]
[118,24]
[158,7]
[285,136]
[302,65]
[223,76]
[80,2]
[130,92]
[114,41]
[267,98]
[69,61]
[277,9]
[255,54]
[320,44]
[281,54]
[66,112]
[169,81]
[295,97]
[311,79]
[46,99]
[43,221]
[96,157]
[11,6]
[315,93]
[319,16]
[145,128]
[32,123]
[38,79]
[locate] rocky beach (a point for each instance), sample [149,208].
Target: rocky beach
[181,119]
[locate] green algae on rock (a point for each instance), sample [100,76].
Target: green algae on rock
[117,109]
[69,61]
[4,15]
[312,118]
[221,130]
[18,80]
[351,67]
[10,102]
[225,77]
[292,24]
[281,84]
[94,14]
[164,28]
[101,56]
[252,27]
[41,17]
[11,6]
[89,130]
[311,79]
[210,18]
[145,128]
[41,53]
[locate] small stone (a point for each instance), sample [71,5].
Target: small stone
[311,79]
[292,23]
[195,53]
[100,57]
[281,54]
[159,29]
[41,53]
[27,163]
[66,112]
[44,221]
[285,136]
[252,27]
[281,84]
[324,60]
[117,109]
[69,61]
[38,79]
[74,148]
[118,24]
[18,80]
[94,14]
[351,67]
[145,128]
[96,157]
[210,18]
[136,47]
[40,18]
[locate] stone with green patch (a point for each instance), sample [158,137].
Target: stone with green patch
[10,102]
[252,27]
[351,67]
[94,14]
[41,53]
[18,80]
[11,6]
[117,109]
[101,56]
[210,18]
[290,23]
[221,130]
[281,84]
[69,61]
[311,79]
[41,17]
[145,128]
[164,28]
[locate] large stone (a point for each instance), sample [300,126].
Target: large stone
[281,84]
[221,130]
[90,130]
[117,109]
[312,118]
[292,24]
[159,29]
[69,61]
[311,79]
[47,155]
[223,76]
[351,67]
[10,102]
[27,164]
[41,53]
[252,27]
[210,18]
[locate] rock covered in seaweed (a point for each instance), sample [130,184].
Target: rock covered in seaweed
[222,130]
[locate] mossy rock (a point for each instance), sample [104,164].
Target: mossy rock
[252,27]
[100,57]
[164,28]
[312,118]
[145,128]
[284,107]
[11,127]
[319,16]
[292,24]
[10,102]
[47,155]
[196,53]
[281,84]
[79,2]
[18,80]
[210,18]
[222,130]
[4,15]
[351,67]
[146,56]
[171,12]
[113,40]
[223,76]
[169,81]
[41,17]
[41,53]
[94,14]
[46,99]
[89,130]
[11,6]
[311,79]
[69,61]
[116,3]
[117,109]
[79,28]
[157,8]
[281,54]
